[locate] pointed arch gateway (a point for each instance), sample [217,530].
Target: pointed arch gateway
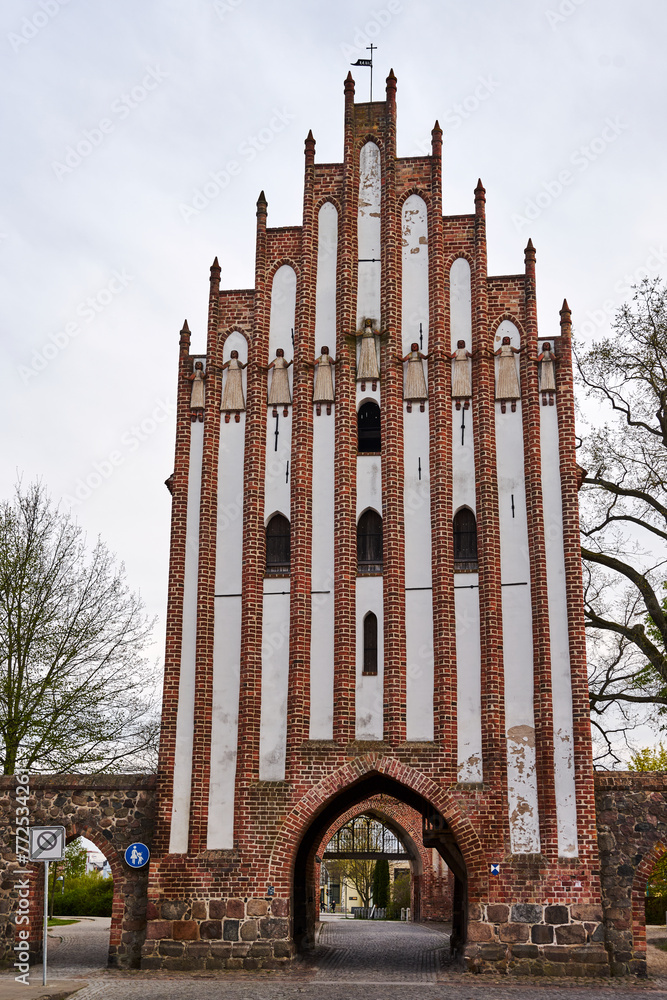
[444,828]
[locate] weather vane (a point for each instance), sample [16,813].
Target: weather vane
[367,62]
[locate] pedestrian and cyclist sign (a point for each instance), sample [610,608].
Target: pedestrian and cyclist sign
[137,855]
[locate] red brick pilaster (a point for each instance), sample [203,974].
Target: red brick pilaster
[208,510]
[392,439]
[345,473]
[494,743]
[583,753]
[250,698]
[440,426]
[298,699]
[172,665]
[542,696]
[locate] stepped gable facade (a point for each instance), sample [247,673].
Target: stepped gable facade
[375,579]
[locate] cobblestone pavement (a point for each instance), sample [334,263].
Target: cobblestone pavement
[79,950]
[366,949]
[382,961]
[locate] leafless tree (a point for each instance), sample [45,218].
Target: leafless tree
[76,693]
[624,514]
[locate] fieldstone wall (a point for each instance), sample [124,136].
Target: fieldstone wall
[632,836]
[112,811]
[218,934]
[559,939]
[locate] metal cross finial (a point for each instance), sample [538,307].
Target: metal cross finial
[371,47]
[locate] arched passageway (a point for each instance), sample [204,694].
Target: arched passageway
[110,810]
[436,833]
[431,882]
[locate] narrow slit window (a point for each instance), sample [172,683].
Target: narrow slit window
[465,541]
[369,441]
[370,644]
[369,543]
[278,546]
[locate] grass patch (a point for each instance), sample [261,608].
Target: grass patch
[57,922]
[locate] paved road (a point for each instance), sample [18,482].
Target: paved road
[369,960]
[78,950]
[350,950]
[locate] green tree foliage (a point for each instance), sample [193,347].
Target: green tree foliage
[89,895]
[649,759]
[356,872]
[624,515]
[381,883]
[72,866]
[400,895]
[75,692]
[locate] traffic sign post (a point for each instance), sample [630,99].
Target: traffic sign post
[47,843]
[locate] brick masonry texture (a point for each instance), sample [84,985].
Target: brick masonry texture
[529,937]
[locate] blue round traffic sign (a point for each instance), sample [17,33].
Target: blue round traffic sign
[137,855]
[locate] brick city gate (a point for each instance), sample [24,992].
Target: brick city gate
[375,586]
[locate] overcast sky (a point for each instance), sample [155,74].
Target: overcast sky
[137,136]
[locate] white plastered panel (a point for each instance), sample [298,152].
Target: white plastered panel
[227,626]
[466,592]
[276,611]
[322,599]
[417,488]
[561,680]
[369,232]
[517,622]
[180,815]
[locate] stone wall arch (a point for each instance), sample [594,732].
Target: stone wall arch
[410,784]
[111,810]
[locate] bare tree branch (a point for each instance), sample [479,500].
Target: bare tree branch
[75,690]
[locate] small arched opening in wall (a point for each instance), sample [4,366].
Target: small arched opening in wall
[649,913]
[435,833]
[99,939]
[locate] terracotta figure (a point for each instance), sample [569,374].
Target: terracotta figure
[547,374]
[367,368]
[279,393]
[197,396]
[323,390]
[415,384]
[232,397]
[461,378]
[507,384]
